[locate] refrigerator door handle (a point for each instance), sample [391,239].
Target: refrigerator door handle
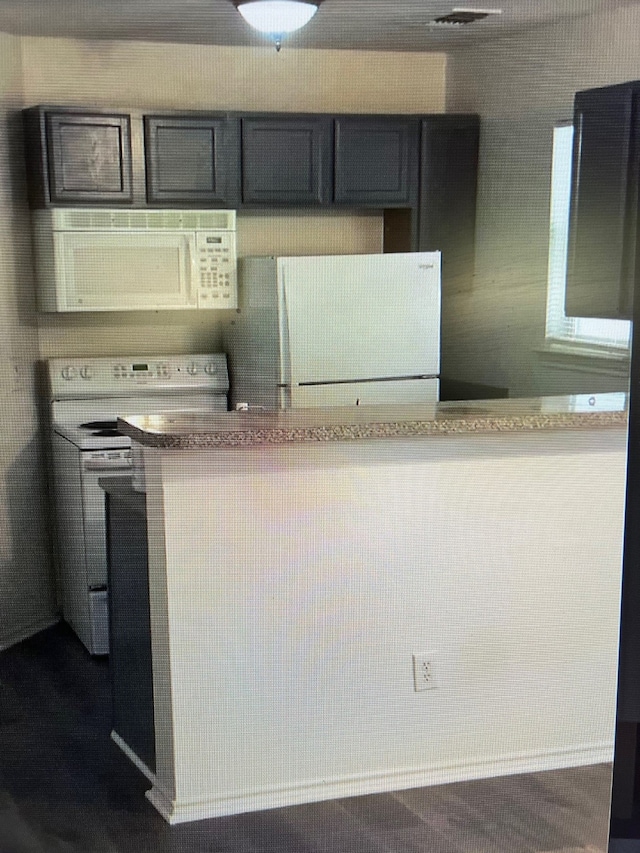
[368,380]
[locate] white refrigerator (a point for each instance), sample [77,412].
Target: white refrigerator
[335,330]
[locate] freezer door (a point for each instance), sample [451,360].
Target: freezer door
[399,392]
[346,318]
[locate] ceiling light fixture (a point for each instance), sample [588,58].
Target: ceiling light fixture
[277,18]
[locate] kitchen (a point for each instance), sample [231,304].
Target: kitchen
[492,330]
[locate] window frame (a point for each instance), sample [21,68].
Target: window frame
[573,335]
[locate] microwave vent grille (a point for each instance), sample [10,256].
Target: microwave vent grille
[95,219]
[129,219]
[88,219]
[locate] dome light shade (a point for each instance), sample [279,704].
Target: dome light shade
[277,17]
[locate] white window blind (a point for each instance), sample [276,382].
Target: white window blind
[572,331]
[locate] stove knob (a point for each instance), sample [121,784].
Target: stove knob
[192,369]
[68,372]
[210,369]
[86,372]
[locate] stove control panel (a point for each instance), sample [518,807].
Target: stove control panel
[142,370]
[95,377]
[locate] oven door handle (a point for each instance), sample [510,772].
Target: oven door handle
[101,464]
[106,468]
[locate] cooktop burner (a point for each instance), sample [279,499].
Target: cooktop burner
[102,425]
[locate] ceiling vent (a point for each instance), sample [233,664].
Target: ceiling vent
[461,17]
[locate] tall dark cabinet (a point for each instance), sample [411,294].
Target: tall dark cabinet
[626,777]
[448,192]
[603,229]
[604,281]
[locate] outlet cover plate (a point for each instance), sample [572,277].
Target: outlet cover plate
[424,674]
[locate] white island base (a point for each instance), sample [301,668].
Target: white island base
[292,584]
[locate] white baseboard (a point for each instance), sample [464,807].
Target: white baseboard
[131,755]
[166,806]
[219,806]
[28,631]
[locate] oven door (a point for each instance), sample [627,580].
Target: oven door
[104,463]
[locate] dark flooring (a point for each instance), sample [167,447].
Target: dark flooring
[66,788]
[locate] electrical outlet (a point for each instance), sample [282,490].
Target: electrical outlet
[424,676]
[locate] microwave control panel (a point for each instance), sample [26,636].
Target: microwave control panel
[217,269]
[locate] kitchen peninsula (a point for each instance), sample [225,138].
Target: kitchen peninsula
[298,561]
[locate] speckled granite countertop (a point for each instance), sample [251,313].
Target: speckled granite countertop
[190,431]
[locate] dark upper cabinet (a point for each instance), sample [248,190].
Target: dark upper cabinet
[448,183]
[421,170]
[604,203]
[376,161]
[79,157]
[192,160]
[286,159]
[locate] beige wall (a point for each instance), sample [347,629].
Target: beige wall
[521,86]
[135,74]
[26,588]
[172,76]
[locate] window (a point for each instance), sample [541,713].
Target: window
[587,333]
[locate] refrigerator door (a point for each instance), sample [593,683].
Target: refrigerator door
[394,392]
[347,318]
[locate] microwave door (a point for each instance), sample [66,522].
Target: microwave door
[125,271]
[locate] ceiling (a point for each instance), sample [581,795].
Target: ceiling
[342,24]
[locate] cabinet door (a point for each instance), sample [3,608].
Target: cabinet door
[376,161]
[448,181]
[604,196]
[286,160]
[191,160]
[89,158]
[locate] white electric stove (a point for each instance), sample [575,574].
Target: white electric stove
[86,396]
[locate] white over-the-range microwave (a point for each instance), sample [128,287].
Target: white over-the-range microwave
[99,259]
